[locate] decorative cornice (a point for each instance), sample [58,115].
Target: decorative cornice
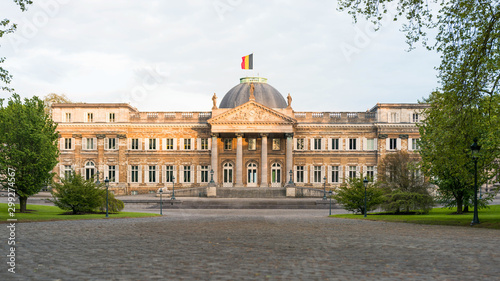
[220,119]
[131,125]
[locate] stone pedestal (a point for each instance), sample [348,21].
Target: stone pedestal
[211,191]
[291,192]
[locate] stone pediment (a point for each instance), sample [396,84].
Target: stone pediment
[252,113]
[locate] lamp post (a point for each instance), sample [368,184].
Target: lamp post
[97,176]
[212,176]
[161,206]
[173,188]
[107,188]
[475,154]
[365,183]
[324,188]
[330,194]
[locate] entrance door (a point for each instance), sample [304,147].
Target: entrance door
[227,175]
[252,175]
[276,175]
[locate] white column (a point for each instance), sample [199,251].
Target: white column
[214,156]
[263,162]
[239,160]
[289,159]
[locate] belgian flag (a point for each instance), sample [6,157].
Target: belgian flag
[247,62]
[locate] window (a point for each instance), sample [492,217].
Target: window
[204,174]
[90,143]
[152,144]
[415,117]
[187,144]
[68,117]
[415,174]
[301,144]
[414,144]
[111,117]
[335,174]
[352,172]
[276,174]
[370,172]
[394,117]
[112,144]
[370,144]
[335,144]
[276,144]
[299,175]
[228,173]
[252,144]
[152,173]
[135,144]
[204,144]
[68,143]
[317,144]
[89,170]
[317,174]
[228,144]
[393,144]
[169,144]
[169,173]
[67,171]
[187,173]
[90,117]
[352,144]
[134,173]
[112,173]
[252,174]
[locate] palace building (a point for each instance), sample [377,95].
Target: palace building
[253,139]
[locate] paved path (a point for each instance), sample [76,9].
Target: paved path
[251,245]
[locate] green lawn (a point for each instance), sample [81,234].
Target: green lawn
[488,218]
[52,213]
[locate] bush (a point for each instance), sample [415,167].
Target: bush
[114,205]
[352,196]
[398,201]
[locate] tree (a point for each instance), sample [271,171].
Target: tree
[77,194]
[29,146]
[352,196]
[406,189]
[54,98]
[7,27]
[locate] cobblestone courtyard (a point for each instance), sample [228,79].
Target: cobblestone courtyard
[251,245]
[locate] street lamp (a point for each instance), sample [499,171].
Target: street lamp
[330,194]
[475,154]
[324,188]
[107,187]
[173,188]
[97,175]
[212,177]
[161,207]
[365,183]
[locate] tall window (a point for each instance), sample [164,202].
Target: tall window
[414,144]
[370,172]
[68,143]
[252,144]
[204,173]
[169,173]
[112,173]
[335,144]
[169,144]
[112,144]
[252,173]
[152,144]
[187,173]
[89,170]
[134,173]
[352,144]
[67,171]
[111,117]
[301,144]
[393,144]
[276,173]
[276,144]
[394,117]
[228,144]
[352,172]
[415,117]
[299,175]
[152,173]
[187,144]
[335,174]
[317,174]
[90,143]
[135,144]
[317,144]
[90,117]
[370,144]
[204,144]
[68,117]
[228,173]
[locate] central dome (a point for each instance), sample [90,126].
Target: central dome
[264,93]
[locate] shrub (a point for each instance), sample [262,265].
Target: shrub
[77,194]
[352,196]
[114,205]
[398,201]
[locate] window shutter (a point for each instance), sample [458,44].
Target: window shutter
[191,179]
[176,177]
[61,171]
[341,144]
[198,144]
[85,116]
[192,144]
[329,144]
[294,143]
[398,120]
[157,144]
[209,143]
[146,144]
[398,147]
[129,178]
[164,144]
[357,172]
[106,172]
[323,144]
[61,144]
[140,173]
[174,146]
[181,144]
[305,174]
[146,173]
[364,172]
[312,144]
[311,179]
[387,144]
[140,144]
[375,144]
[365,144]
[295,174]
[106,144]
[84,143]
[72,144]
[322,173]
[157,173]
[117,173]
[341,174]
[374,173]
[410,146]
[358,143]
[107,116]
[329,175]
[198,174]
[95,144]
[181,173]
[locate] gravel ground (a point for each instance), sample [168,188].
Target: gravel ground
[250,245]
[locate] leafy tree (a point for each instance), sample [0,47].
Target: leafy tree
[54,98]
[7,27]
[352,196]
[406,189]
[29,146]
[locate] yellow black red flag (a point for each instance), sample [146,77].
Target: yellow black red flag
[247,62]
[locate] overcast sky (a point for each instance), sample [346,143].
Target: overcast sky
[173,55]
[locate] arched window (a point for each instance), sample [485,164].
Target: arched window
[252,174]
[227,174]
[89,170]
[276,175]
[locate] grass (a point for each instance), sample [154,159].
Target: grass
[488,218]
[37,213]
